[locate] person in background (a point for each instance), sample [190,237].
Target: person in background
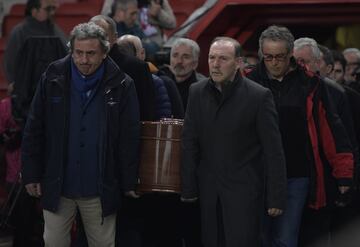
[155,16]
[125,14]
[25,219]
[232,152]
[137,69]
[39,21]
[304,128]
[81,140]
[184,58]
[177,110]
[352,57]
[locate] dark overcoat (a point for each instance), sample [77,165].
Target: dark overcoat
[232,156]
[45,137]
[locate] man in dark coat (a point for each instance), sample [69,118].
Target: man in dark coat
[80,143]
[137,69]
[38,22]
[318,153]
[232,152]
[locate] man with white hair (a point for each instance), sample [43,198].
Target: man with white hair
[316,223]
[352,57]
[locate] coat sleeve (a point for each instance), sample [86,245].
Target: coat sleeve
[129,139]
[33,143]
[190,149]
[13,46]
[270,138]
[333,137]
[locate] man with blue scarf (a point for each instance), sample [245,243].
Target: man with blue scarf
[80,144]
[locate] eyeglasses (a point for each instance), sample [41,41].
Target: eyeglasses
[50,8]
[278,57]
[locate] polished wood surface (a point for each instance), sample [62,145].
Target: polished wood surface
[159,169]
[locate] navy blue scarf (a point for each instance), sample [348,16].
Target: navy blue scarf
[83,84]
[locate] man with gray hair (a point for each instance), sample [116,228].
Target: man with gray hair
[352,57]
[184,58]
[302,104]
[80,143]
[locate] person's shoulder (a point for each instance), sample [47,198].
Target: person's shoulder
[199,76]
[199,84]
[58,67]
[18,29]
[252,85]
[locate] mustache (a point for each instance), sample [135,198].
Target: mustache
[179,66]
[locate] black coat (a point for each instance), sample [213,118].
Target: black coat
[45,140]
[231,143]
[36,55]
[139,71]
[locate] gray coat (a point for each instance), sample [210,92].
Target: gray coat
[232,154]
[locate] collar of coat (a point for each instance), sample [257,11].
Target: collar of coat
[60,71]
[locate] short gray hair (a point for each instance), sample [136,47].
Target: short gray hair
[110,21]
[352,50]
[276,33]
[89,30]
[195,49]
[308,42]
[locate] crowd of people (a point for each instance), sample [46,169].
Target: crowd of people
[269,149]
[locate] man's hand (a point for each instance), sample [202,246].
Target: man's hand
[342,202]
[188,199]
[132,194]
[273,212]
[343,189]
[33,189]
[154,8]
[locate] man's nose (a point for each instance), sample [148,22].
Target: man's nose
[84,58]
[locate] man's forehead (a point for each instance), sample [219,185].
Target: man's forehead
[131,7]
[275,44]
[91,42]
[183,49]
[222,44]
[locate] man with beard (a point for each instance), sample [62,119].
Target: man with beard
[184,58]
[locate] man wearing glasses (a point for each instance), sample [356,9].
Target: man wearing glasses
[318,154]
[38,22]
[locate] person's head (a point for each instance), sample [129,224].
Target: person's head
[126,47]
[339,67]
[352,57]
[224,60]
[140,51]
[326,61]
[109,26]
[125,11]
[307,52]
[89,46]
[41,10]
[184,58]
[275,49]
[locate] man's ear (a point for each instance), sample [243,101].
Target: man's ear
[196,64]
[329,69]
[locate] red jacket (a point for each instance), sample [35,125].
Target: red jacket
[329,149]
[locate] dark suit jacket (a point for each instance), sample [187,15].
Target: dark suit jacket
[139,71]
[232,151]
